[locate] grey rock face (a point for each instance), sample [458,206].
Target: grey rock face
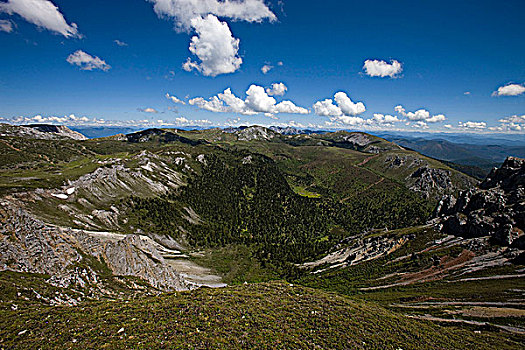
[495,209]
[255,133]
[428,180]
[356,139]
[41,131]
[397,161]
[29,245]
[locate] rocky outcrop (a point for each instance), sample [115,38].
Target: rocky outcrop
[396,161]
[40,131]
[255,133]
[77,258]
[358,139]
[356,250]
[495,209]
[428,180]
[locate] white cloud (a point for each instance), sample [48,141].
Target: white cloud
[512,124]
[344,107]
[377,68]
[120,43]
[235,104]
[509,90]
[214,104]
[183,121]
[87,62]
[420,115]
[436,118]
[277,89]
[184,11]
[66,119]
[214,46]
[148,110]
[6,26]
[344,112]
[42,13]
[257,101]
[467,93]
[383,119]
[174,99]
[420,125]
[514,119]
[472,125]
[73,120]
[448,126]
[348,120]
[290,107]
[347,106]
[266,68]
[326,108]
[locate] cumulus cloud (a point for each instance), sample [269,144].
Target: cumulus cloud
[174,99]
[183,121]
[326,108]
[436,118]
[347,106]
[420,125]
[266,68]
[512,124]
[472,125]
[289,107]
[73,120]
[214,104]
[383,119]
[257,101]
[184,11]
[514,119]
[6,26]
[420,115]
[343,108]
[509,90]
[148,110]
[277,89]
[42,13]
[234,103]
[120,43]
[87,62]
[345,112]
[377,68]
[214,46]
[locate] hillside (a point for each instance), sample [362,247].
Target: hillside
[269,315]
[89,223]
[476,159]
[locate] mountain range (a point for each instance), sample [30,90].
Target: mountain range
[227,238]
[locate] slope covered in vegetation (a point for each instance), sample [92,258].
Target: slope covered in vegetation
[270,315]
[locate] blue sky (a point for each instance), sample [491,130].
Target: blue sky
[444,50]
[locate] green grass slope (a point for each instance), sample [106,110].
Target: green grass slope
[273,315]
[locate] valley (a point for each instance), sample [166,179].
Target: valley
[215,233]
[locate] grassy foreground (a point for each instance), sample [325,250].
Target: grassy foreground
[265,315]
